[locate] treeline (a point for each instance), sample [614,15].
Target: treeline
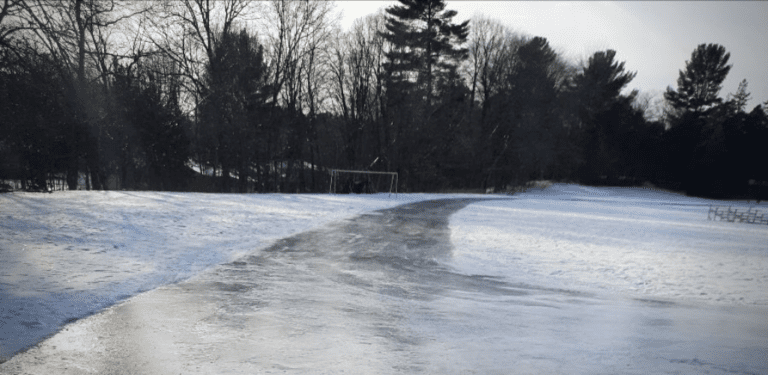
[246,96]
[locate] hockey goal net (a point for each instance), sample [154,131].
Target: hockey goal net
[362,182]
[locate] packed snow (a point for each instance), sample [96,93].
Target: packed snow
[67,255]
[633,241]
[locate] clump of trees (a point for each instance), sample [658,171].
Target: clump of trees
[240,96]
[714,145]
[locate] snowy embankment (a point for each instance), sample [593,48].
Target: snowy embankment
[66,255]
[633,242]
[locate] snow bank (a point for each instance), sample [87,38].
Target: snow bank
[629,241]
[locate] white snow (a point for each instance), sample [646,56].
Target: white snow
[67,255]
[630,241]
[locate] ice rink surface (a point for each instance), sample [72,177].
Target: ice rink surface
[568,279]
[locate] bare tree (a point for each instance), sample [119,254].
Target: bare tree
[318,80]
[357,65]
[11,12]
[296,33]
[652,106]
[187,32]
[290,26]
[492,60]
[75,34]
[489,45]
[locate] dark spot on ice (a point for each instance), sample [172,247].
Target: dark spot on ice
[658,322]
[657,303]
[694,361]
[353,280]
[234,287]
[31,324]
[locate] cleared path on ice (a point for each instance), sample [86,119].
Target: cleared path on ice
[67,255]
[378,294]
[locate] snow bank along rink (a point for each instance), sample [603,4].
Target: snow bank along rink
[632,242]
[66,255]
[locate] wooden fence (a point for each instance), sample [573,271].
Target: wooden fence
[737,215]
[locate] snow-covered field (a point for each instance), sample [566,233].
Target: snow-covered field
[67,255]
[629,241]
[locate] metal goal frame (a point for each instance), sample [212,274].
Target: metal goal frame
[335,178]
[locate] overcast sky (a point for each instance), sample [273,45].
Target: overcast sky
[654,38]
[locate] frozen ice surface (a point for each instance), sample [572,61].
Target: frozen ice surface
[566,280]
[66,255]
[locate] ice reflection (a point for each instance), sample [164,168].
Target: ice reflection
[377,294]
[381,286]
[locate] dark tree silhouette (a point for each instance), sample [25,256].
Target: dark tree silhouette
[699,85]
[738,101]
[233,103]
[426,48]
[695,139]
[426,41]
[391,94]
[33,114]
[528,117]
[606,115]
[148,132]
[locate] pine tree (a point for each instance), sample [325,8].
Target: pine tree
[533,124]
[426,49]
[738,101]
[605,114]
[700,83]
[602,80]
[427,42]
[236,93]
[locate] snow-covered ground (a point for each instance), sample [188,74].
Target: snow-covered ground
[67,255]
[630,241]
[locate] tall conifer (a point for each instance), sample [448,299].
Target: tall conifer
[700,83]
[427,42]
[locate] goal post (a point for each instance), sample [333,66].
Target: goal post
[363,181]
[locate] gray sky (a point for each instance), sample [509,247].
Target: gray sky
[654,38]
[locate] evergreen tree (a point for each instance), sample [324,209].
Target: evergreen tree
[33,112]
[528,117]
[695,139]
[234,98]
[738,101]
[699,85]
[427,42]
[148,142]
[601,81]
[426,49]
[535,97]
[606,115]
